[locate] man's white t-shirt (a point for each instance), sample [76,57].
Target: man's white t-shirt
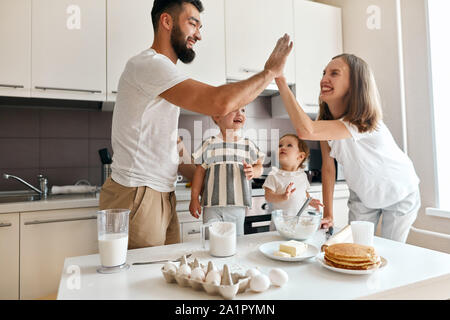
[145,126]
[278,180]
[375,168]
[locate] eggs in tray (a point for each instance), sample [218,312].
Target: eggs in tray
[221,282]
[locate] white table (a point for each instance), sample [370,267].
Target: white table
[411,273]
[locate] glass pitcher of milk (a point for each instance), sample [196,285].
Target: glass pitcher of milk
[222,238]
[112,226]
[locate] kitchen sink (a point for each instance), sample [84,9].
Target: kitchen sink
[8,198]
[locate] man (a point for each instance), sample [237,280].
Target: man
[145,120]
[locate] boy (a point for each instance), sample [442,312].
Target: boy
[225,164]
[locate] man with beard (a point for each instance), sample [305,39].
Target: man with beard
[145,120]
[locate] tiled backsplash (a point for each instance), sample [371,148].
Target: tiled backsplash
[259,127]
[58,143]
[63,144]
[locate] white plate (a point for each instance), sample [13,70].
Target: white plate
[269,248]
[322,261]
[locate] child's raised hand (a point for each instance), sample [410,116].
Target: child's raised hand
[195,208]
[289,191]
[316,204]
[248,171]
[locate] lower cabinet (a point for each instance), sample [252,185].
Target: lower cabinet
[340,208]
[191,231]
[46,239]
[9,256]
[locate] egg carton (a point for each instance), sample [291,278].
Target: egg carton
[230,285]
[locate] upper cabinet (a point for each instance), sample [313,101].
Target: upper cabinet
[129,32]
[252,30]
[78,49]
[69,49]
[209,63]
[15,39]
[318,38]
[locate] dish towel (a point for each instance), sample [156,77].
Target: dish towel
[72,189]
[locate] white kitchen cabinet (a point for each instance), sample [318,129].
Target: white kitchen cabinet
[46,239]
[129,32]
[189,226]
[318,38]
[191,231]
[9,256]
[252,28]
[209,63]
[340,208]
[15,56]
[69,49]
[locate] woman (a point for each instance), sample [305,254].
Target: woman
[381,178]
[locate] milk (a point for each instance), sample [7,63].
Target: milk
[113,249]
[222,239]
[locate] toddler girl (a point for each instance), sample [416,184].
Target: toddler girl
[286,188]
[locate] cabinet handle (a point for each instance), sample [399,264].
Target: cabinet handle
[68,89]
[15,86]
[114,92]
[248,70]
[4,225]
[193,232]
[58,220]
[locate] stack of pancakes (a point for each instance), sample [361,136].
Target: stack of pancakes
[352,256]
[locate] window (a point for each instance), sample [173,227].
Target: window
[439,27]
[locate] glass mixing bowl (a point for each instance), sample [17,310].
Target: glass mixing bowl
[297,228]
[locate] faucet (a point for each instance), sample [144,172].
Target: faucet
[42,183]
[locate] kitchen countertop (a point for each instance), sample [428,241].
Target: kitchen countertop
[63,201]
[67,201]
[411,273]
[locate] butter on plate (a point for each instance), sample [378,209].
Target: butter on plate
[293,248]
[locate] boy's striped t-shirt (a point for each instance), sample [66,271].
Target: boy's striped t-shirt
[225,183]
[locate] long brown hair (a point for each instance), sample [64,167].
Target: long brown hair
[302,146]
[364,107]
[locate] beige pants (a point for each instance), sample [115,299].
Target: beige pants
[153,217]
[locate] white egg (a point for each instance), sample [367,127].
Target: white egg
[278,277]
[252,272]
[170,266]
[198,274]
[184,270]
[213,277]
[260,283]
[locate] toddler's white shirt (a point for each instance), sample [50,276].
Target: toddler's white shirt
[278,180]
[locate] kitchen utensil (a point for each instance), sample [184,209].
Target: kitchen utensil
[269,248]
[329,232]
[112,226]
[160,261]
[305,205]
[296,228]
[105,157]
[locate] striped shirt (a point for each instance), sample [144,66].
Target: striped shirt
[225,183]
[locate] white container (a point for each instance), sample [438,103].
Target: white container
[362,232]
[222,238]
